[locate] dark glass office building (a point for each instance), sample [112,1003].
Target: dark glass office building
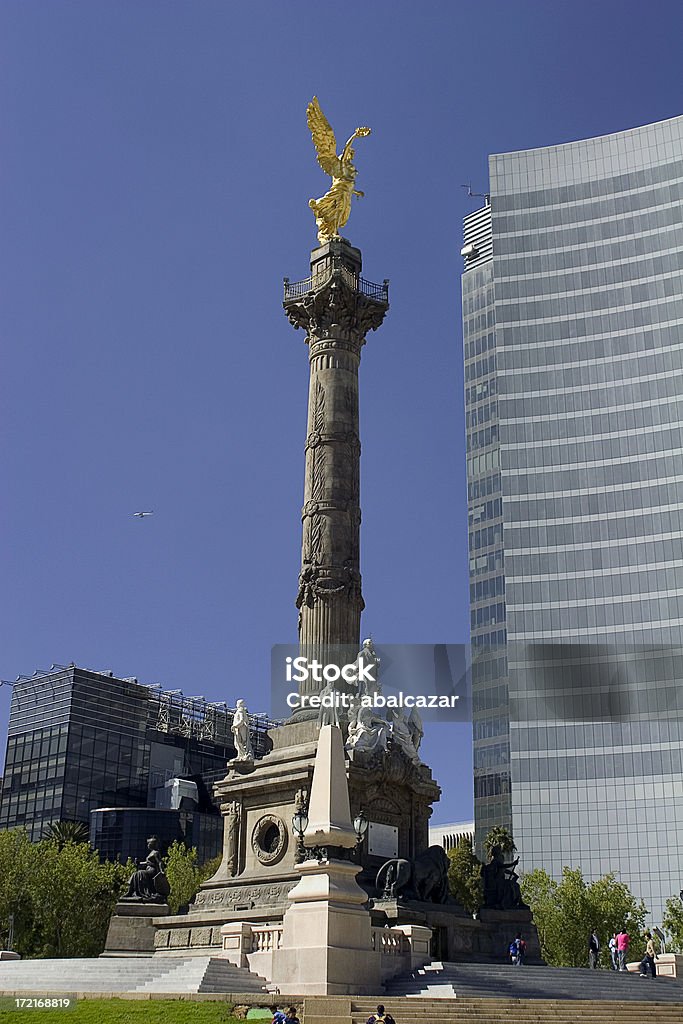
[573,344]
[122,832]
[80,740]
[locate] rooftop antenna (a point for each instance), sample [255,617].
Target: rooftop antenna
[478,195]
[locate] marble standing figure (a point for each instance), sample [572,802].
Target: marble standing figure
[241,733]
[369,659]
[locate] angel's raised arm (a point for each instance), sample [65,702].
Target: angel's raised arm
[359,133]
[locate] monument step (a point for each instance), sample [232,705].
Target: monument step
[520,1011]
[570,1009]
[421,1008]
[593,1014]
[222,976]
[171,975]
[467,980]
[652,1014]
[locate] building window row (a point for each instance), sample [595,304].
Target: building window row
[483,438]
[484,590]
[491,562]
[489,697]
[604,276]
[532,347]
[477,299]
[631,765]
[480,391]
[519,430]
[481,367]
[482,414]
[594,233]
[611,471]
[480,513]
[477,347]
[534,271]
[638,524]
[491,785]
[490,639]
[483,487]
[596,188]
[550,261]
[493,755]
[606,208]
[487,537]
[564,323]
[488,616]
[589,300]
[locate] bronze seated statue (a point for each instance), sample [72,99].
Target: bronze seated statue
[149,884]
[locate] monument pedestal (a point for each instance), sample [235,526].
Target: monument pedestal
[456,935]
[132,930]
[327,935]
[326,946]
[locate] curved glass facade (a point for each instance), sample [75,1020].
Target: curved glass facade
[587,279]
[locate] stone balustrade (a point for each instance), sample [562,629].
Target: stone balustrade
[266,938]
[399,949]
[251,945]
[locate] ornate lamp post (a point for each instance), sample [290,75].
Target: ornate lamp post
[299,826]
[360,825]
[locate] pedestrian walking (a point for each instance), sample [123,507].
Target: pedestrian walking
[593,950]
[291,1017]
[521,949]
[517,950]
[614,952]
[623,942]
[649,958]
[381,1017]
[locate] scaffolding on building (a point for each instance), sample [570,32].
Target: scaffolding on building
[170,711]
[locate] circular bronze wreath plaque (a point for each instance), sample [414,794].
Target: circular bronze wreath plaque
[269,839]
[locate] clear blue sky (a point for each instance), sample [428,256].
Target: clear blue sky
[155,175]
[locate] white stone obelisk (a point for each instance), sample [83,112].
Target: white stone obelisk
[327,937]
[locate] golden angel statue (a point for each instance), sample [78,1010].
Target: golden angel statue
[332,211]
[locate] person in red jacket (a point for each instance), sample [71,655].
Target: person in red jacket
[623,942]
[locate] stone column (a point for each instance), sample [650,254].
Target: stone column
[232,820]
[336,308]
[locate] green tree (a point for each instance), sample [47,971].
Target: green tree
[61,898]
[73,897]
[185,874]
[62,832]
[464,876]
[672,923]
[17,865]
[499,836]
[565,912]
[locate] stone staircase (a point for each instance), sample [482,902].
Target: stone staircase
[516,1011]
[222,976]
[143,975]
[487,981]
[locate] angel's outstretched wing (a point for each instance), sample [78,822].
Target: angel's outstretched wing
[323,138]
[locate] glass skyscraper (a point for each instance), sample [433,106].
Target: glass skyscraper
[80,740]
[573,344]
